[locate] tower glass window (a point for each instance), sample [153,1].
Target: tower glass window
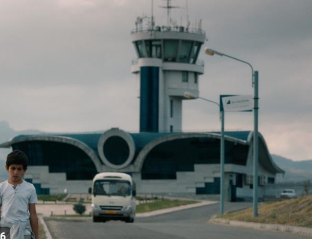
[184,76]
[184,52]
[171,49]
[171,108]
[153,48]
[139,46]
[194,52]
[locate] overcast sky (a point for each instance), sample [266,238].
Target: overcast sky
[65,66]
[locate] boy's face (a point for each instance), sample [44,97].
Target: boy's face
[16,172]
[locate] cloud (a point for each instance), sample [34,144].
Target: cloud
[291,139]
[65,65]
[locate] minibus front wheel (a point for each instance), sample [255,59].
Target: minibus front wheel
[96,219]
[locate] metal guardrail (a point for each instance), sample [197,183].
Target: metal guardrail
[170,29]
[198,62]
[135,61]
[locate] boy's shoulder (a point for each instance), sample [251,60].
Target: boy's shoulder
[3,186]
[28,184]
[3,183]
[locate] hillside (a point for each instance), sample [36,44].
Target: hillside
[293,212]
[7,133]
[295,170]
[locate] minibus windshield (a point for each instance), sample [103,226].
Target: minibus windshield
[112,188]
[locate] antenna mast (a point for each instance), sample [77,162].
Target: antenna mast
[168,7]
[187,14]
[152,20]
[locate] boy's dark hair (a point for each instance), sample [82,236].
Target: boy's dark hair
[17,157]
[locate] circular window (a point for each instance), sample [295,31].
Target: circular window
[116,150]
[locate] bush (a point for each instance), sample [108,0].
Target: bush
[306,187]
[79,208]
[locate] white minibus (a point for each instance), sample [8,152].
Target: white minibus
[113,197]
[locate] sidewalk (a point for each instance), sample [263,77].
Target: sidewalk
[46,210]
[174,209]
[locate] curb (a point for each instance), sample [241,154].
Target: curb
[174,209]
[261,226]
[45,228]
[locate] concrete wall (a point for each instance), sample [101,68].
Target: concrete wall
[56,181]
[186,182]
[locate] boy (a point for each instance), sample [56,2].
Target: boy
[18,198]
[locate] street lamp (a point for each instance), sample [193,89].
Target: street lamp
[191,96]
[254,78]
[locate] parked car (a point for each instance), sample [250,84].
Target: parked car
[288,193]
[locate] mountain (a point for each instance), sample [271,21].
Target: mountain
[295,170]
[7,133]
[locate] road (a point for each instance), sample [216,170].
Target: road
[186,224]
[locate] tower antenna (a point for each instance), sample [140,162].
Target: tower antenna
[169,7]
[152,18]
[187,13]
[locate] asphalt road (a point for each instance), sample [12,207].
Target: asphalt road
[186,224]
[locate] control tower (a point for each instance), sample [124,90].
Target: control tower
[167,67]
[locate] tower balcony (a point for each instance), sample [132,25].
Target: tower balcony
[198,67]
[180,29]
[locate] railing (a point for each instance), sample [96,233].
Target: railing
[199,62]
[135,61]
[170,29]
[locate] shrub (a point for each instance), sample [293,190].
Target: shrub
[79,208]
[306,187]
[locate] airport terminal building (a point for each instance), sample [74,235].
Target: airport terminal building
[158,162]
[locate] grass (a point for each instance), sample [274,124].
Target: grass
[146,207]
[293,212]
[55,197]
[73,215]
[161,204]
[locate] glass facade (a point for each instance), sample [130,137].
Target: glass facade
[116,150]
[271,180]
[174,50]
[168,158]
[240,180]
[149,95]
[210,188]
[171,50]
[184,53]
[140,49]
[195,52]
[60,157]
[153,48]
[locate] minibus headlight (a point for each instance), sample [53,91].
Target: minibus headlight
[94,206]
[127,208]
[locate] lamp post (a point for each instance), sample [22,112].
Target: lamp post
[191,96]
[254,78]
